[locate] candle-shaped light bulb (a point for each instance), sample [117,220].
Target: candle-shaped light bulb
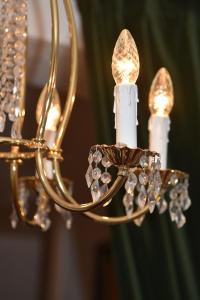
[51,125]
[161,100]
[54,112]
[161,97]
[125,59]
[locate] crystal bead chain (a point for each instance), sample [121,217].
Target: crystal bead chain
[97,175]
[12,59]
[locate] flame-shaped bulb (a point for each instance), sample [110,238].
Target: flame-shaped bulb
[161,96]
[54,112]
[125,59]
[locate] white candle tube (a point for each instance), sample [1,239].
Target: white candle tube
[50,137]
[125,108]
[158,136]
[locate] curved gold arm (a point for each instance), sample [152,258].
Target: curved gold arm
[53,70]
[51,85]
[66,205]
[15,193]
[93,216]
[66,115]
[73,75]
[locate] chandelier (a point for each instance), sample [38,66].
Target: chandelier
[141,173]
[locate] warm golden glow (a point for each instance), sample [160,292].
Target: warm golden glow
[125,59]
[161,97]
[54,112]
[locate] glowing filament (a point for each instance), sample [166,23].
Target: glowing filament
[161,97]
[125,59]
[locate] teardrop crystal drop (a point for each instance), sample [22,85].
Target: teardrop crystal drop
[95,190]
[2,121]
[16,129]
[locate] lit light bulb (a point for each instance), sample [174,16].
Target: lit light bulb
[125,59]
[54,112]
[161,97]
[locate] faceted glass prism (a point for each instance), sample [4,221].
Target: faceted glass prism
[95,190]
[88,176]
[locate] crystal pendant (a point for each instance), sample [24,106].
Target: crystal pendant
[151,202]
[128,203]
[16,129]
[131,183]
[173,179]
[180,219]
[173,210]
[142,197]
[97,156]
[23,198]
[162,205]
[66,215]
[143,178]
[96,173]
[95,190]
[173,194]
[106,177]
[45,224]
[139,221]
[157,179]
[90,158]
[157,164]
[105,162]
[187,203]
[88,176]
[104,189]
[144,161]
[14,218]
[68,220]
[2,121]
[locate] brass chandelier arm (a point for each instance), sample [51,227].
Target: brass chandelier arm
[67,111]
[15,193]
[53,70]
[73,74]
[95,217]
[69,206]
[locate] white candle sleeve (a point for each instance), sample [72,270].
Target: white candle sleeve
[50,139]
[158,137]
[125,107]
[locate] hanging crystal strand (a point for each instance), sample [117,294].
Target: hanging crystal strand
[98,179]
[184,196]
[128,198]
[2,68]
[142,195]
[155,183]
[105,178]
[88,175]
[23,198]
[180,200]
[96,174]
[162,205]
[13,58]
[141,187]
